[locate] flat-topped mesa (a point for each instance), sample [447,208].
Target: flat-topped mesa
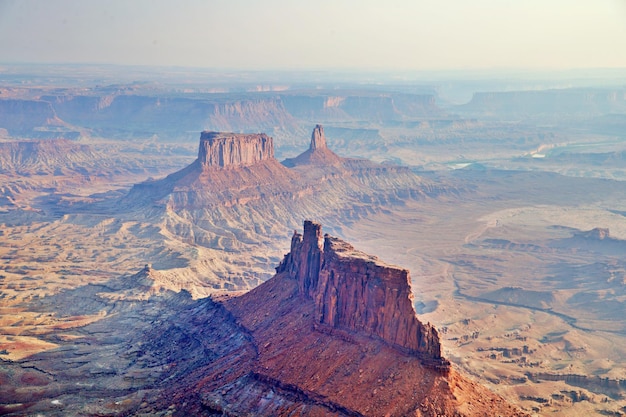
[318,139]
[231,150]
[358,292]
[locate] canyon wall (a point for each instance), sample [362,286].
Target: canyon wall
[116,114]
[128,111]
[563,102]
[358,292]
[20,116]
[355,105]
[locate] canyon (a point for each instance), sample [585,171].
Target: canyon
[173,115]
[507,211]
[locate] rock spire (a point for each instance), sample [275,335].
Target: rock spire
[318,139]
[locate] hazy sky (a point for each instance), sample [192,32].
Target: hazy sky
[318,34]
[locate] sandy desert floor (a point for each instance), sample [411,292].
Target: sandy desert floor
[522,305]
[526,302]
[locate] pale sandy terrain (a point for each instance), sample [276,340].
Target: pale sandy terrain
[509,340]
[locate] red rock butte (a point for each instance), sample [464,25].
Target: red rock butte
[232,150]
[358,292]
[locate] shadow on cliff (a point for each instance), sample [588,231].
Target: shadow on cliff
[118,345]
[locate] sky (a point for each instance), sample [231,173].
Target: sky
[320,34]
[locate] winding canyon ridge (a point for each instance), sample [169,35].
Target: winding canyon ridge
[146,272]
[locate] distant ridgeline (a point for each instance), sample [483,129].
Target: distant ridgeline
[127,113]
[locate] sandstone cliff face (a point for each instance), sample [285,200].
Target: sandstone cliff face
[158,352]
[22,116]
[231,150]
[358,292]
[564,102]
[231,169]
[236,196]
[347,105]
[107,112]
[309,361]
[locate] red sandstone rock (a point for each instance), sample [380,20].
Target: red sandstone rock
[358,292]
[263,353]
[351,365]
[230,150]
[317,154]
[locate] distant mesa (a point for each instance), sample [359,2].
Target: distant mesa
[595,240]
[237,169]
[236,193]
[567,101]
[154,110]
[232,150]
[231,168]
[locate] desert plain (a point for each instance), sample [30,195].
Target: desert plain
[515,247]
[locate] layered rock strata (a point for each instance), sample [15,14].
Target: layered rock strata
[231,169]
[232,150]
[358,292]
[236,197]
[46,156]
[568,101]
